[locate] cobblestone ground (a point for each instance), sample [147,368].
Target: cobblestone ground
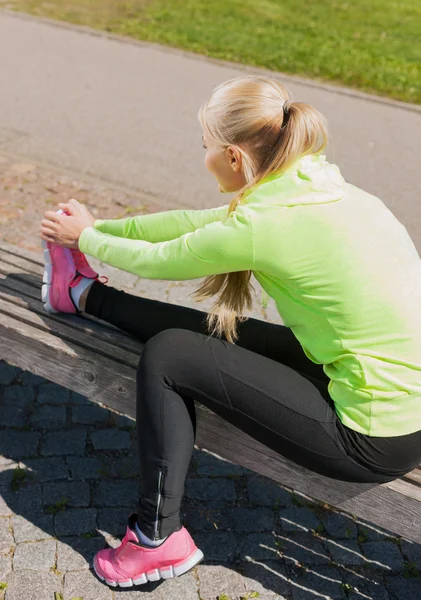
[68,483]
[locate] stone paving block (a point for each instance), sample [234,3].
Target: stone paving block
[372,533]
[210,465]
[8,373]
[148,591]
[75,521]
[317,581]
[218,545]
[113,520]
[76,398]
[5,504]
[6,537]
[387,554]
[216,580]
[345,552]
[120,467]
[367,584]
[32,585]
[302,547]
[122,421]
[18,396]
[89,415]
[51,393]
[246,520]
[202,518]
[264,492]
[84,467]
[86,585]
[49,416]
[18,444]
[213,490]
[298,519]
[46,469]
[110,439]
[64,442]
[338,525]
[37,556]
[412,551]
[269,579]
[13,416]
[25,501]
[404,588]
[117,493]
[77,553]
[180,588]
[40,527]
[30,379]
[5,566]
[259,546]
[77,493]
[6,473]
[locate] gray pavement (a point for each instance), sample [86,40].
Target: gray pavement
[68,481]
[127,112]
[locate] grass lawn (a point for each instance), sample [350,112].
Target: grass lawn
[374,46]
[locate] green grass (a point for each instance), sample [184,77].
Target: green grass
[371,46]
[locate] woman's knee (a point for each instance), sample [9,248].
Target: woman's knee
[169,347]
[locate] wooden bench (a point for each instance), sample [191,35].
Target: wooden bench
[100,362]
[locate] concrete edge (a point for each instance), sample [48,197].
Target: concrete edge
[333,89]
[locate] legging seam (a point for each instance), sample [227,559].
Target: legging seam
[193,389]
[218,370]
[267,395]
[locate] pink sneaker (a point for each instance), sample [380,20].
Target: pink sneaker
[133,564]
[64,268]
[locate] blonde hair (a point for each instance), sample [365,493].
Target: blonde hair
[256,115]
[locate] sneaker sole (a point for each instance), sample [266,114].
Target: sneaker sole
[156,574]
[46,279]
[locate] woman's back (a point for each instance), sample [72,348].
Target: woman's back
[346,278]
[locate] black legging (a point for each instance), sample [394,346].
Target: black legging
[264,385]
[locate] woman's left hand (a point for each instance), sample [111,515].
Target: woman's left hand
[64,229]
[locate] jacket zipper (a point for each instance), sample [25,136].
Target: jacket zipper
[158,504]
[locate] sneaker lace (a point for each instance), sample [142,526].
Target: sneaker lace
[81,262]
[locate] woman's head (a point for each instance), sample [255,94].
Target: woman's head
[251,129]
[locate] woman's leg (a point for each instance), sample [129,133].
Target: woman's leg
[144,318]
[268,400]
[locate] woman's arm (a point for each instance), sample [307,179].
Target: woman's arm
[218,247]
[162,226]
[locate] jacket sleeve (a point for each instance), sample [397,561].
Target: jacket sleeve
[161,226]
[219,247]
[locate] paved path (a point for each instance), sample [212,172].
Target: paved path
[128,113]
[68,482]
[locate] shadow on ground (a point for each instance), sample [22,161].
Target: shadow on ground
[68,481]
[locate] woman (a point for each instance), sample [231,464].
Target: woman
[337,389]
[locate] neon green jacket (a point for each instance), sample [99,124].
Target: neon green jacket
[342,270]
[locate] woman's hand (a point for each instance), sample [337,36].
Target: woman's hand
[63,229]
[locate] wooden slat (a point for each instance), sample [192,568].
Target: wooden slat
[67,333]
[13,289]
[406,488]
[31,257]
[33,268]
[99,378]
